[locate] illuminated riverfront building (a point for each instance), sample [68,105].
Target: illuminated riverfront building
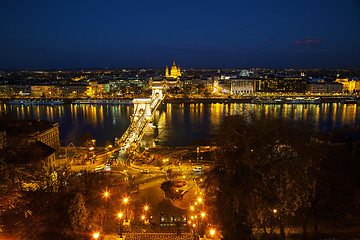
[243,86]
[324,87]
[44,91]
[174,72]
[283,84]
[349,86]
[170,80]
[32,131]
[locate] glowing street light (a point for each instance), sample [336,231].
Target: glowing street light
[212,233]
[106,194]
[126,215]
[202,214]
[96,235]
[199,200]
[274,210]
[120,216]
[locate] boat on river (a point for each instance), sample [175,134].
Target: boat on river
[34,102]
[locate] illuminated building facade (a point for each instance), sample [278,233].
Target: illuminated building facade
[44,91]
[96,88]
[283,84]
[349,86]
[32,131]
[170,80]
[74,90]
[243,86]
[174,72]
[324,87]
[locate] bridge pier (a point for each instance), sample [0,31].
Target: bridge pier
[157,92]
[144,109]
[142,106]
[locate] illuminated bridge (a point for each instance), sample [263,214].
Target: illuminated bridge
[144,110]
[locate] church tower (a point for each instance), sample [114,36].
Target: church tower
[174,71]
[167,72]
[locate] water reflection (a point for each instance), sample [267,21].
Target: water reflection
[177,124]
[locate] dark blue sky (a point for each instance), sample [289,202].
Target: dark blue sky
[214,33]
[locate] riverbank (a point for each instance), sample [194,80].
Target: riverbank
[253,98]
[269,99]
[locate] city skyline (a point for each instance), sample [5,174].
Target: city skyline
[202,34]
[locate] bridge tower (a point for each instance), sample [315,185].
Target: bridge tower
[157,92]
[142,105]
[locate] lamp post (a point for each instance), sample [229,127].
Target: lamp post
[197,155]
[120,230]
[146,210]
[212,233]
[202,224]
[96,235]
[194,226]
[126,215]
[106,194]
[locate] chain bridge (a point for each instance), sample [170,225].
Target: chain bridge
[143,113]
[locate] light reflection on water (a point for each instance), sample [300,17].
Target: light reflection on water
[177,124]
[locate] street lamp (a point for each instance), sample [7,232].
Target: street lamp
[201,224]
[96,235]
[120,217]
[197,155]
[106,194]
[126,215]
[212,233]
[146,207]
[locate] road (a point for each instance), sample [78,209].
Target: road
[148,184]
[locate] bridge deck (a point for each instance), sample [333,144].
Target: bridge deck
[138,125]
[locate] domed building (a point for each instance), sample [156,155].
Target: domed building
[170,80]
[174,72]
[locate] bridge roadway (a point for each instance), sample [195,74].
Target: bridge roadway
[143,114]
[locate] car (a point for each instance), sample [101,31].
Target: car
[145,171]
[197,169]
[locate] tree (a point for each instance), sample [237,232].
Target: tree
[263,166]
[78,214]
[85,140]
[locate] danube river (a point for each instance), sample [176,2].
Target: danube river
[176,124]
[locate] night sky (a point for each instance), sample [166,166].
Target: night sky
[214,33]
